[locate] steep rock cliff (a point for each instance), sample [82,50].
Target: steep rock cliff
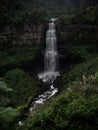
[22,34]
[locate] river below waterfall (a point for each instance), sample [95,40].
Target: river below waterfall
[43,98]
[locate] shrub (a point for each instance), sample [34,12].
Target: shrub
[76,114]
[23,86]
[8,117]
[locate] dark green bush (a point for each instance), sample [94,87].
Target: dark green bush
[8,118]
[77,113]
[23,86]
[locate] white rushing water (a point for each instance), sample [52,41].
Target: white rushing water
[43,97]
[51,55]
[50,66]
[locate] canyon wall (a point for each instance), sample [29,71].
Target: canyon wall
[22,34]
[77,33]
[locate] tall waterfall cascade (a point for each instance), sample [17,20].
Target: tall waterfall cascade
[51,55]
[50,69]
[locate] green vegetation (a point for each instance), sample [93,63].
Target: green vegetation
[8,115]
[70,112]
[76,106]
[17,56]
[19,88]
[85,16]
[88,16]
[24,87]
[37,11]
[20,12]
[8,118]
[3,94]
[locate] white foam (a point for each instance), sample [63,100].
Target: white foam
[44,97]
[53,93]
[48,76]
[31,109]
[20,123]
[52,87]
[39,101]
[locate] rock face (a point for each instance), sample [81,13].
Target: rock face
[24,34]
[74,34]
[77,33]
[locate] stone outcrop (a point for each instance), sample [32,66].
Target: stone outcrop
[74,34]
[24,34]
[77,33]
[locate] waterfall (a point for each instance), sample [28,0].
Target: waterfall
[51,55]
[50,69]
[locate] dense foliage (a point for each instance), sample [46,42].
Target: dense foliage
[8,115]
[68,112]
[14,56]
[76,107]
[35,11]
[23,87]
[87,15]
[17,87]
[20,12]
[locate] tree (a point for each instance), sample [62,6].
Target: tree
[7,114]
